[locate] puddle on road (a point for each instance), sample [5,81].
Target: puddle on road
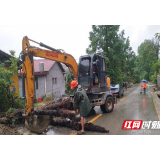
[59,131]
[144,102]
[51,130]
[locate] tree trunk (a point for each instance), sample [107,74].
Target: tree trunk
[64,104]
[77,126]
[57,113]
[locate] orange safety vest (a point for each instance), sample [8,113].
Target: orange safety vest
[144,85]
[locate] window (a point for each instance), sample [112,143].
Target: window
[84,67]
[104,67]
[36,82]
[54,80]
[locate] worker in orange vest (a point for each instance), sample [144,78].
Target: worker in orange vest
[144,87]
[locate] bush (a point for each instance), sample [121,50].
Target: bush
[47,97]
[7,99]
[10,110]
[68,90]
[18,103]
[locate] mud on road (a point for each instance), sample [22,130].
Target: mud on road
[9,129]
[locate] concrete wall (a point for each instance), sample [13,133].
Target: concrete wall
[59,88]
[158,81]
[41,86]
[52,89]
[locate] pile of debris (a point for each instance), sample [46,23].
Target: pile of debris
[9,130]
[13,118]
[7,123]
[49,114]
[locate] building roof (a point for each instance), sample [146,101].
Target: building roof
[5,56]
[47,66]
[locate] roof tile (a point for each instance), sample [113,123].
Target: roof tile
[47,64]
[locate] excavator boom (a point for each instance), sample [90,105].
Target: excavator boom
[28,66]
[33,122]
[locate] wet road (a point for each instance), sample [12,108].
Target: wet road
[132,106]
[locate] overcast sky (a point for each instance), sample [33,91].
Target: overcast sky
[73,39]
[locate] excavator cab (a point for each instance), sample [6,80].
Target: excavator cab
[92,75]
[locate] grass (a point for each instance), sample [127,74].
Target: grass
[38,105]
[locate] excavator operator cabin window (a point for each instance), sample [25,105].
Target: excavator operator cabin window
[85,67]
[103,66]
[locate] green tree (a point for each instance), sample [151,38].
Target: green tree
[8,99]
[157,35]
[68,90]
[136,75]
[116,50]
[148,56]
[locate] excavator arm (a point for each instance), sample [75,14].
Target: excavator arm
[28,52]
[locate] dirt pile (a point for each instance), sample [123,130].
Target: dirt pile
[9,130]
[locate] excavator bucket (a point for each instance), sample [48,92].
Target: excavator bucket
[37,123]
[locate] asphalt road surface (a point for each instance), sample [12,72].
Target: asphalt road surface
[132,106]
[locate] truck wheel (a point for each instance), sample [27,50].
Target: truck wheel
[119,95]
[108,106]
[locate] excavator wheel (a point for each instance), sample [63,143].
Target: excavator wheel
[108,106]
[37,123]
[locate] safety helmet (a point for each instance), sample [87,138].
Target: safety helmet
[73,84]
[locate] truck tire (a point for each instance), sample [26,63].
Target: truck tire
[108,106]
[119,95]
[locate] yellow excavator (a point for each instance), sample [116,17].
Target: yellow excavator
[90,73]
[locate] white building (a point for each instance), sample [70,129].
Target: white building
[49,80]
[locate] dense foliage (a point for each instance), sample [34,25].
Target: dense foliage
[8,99]
[149,64]
[68,90]
[120,58]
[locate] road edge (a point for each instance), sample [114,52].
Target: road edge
[155,101]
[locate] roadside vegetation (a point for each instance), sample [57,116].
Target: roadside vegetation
[122,62]
[9,101]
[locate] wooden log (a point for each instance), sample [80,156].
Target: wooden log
[57,113]
[46,112]
[65,123]
[67,113]
[66,104]
[94,128]
[52,106]
[77,126]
